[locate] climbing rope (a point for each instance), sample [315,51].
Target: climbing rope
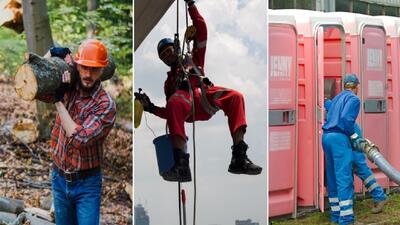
[180,59]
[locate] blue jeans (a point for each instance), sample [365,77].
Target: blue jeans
[78,202]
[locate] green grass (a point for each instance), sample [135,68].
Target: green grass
[390,215]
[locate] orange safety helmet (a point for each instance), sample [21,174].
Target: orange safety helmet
[92,53]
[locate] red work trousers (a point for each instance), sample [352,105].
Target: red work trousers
[179,109]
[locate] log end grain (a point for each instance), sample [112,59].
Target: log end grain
[25,82]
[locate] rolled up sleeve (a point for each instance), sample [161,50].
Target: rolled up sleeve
[96,126]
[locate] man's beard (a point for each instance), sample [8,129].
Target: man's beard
[88,89]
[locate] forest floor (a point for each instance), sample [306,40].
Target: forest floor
[29,180]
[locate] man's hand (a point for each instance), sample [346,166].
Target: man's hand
[60,91]
[189,2]
[356,142]
[63,53]
[148,106]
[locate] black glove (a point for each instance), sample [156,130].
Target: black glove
[189,2]
[356,142]
[59,52]
[148,106]
[60,92]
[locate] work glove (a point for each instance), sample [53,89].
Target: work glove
[189,2]
[148,106]
[356,142]
[60,92]
[60,52]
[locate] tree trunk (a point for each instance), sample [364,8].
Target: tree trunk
[39,40]
[91,28]
[38,78]
[11,15]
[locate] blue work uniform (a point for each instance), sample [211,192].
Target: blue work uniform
[338,128]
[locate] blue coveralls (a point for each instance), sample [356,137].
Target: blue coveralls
[361,168]
[338,128]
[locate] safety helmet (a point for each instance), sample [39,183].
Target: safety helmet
[350,80]
[163,43]
[92,53]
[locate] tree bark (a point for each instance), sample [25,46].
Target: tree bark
[91,28]
[39,40]
[38,78]
[11,15]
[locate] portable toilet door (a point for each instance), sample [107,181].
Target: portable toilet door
[392,27]
[316,31]
[366,48]
[330,67]
[282,75]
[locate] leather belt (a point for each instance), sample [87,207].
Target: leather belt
[78,175]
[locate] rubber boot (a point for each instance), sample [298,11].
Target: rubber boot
[240,163]
[180,171]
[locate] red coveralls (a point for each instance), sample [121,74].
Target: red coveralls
[179,110]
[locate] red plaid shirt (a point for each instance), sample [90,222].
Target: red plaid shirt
[95,116]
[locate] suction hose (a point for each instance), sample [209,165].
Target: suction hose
[373,154]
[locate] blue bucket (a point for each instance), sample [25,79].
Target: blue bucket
[165,153]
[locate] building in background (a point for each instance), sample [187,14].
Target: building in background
[368,7]
[245,222]
[141,217]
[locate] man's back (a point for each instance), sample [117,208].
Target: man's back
[343,113]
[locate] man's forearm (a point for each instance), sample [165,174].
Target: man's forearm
[66,121]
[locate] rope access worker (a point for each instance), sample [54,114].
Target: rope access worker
[179,104]
[362,171]
[338,141]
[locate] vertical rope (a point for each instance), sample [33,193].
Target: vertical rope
[180,206]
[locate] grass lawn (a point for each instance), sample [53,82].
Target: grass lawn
[390,215]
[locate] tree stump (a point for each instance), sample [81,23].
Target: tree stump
[38,78]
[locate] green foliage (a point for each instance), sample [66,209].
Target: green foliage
[113,19]
[12,48]
[362,210]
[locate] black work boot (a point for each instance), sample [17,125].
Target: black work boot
[180,171]
[240,164]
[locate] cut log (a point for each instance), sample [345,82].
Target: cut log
[40,213]
[11,205]
[38,78]
[27,218]
[11,15]
[7,218]
[25,130]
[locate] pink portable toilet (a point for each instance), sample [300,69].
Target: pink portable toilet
[282,76]
[321,65]
[366,57]
[392,27]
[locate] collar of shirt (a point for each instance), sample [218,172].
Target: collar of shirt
[94,93]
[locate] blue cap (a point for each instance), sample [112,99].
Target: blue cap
[350,79]
[164,43]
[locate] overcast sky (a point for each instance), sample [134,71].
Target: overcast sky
[235,58]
